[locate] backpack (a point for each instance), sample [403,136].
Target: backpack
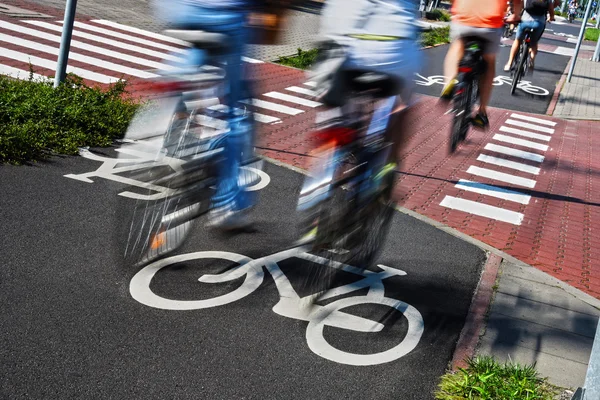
[537,7]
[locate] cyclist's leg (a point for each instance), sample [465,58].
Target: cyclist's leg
[515,47]
[453,57]
[538,30]
[486,80]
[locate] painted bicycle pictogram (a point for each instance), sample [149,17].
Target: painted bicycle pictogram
[291,305]
[500,80]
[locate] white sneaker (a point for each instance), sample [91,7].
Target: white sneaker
[228,220]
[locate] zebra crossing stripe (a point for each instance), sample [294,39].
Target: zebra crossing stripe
[130,38]
[526,155]
[77,57]
[110,42]
[293,99]
[42,62]
[84,46]
[139,31]
[533,119]
[483,210]
[494,191]
[521,132]
[19,73]
[301,90]
[508,164]
[520,142]
[266,119]
[273,106]
[527,125]
[501,176]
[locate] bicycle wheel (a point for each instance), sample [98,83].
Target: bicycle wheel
[151,226]
[462,114]
[519,71]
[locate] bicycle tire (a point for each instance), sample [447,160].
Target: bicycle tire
[150,229]
[519,70]
[462,114]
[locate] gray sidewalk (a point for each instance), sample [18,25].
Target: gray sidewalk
[535,318]
[580,98]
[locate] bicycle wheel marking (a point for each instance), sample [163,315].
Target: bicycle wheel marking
[291,305]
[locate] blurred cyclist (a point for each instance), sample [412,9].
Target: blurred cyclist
[534,18]
[482,19]
[228,17]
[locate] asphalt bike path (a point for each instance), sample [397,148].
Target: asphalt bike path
[79,326]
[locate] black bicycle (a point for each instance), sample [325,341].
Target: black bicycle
[466,91]
[522,61]
[346,203]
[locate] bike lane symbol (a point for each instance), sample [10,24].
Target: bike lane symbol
[291,305]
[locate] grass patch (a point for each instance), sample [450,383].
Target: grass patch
[303,60]
[435,36]
[486,379]
[439,15]
[592,34]
[37,120]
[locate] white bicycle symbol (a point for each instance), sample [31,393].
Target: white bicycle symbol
[525,86]
[291,305]
[138,156]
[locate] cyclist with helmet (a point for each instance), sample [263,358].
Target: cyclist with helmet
[485,20]
[534,19]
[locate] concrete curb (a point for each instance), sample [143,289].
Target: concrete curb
[557,90]
[476,318]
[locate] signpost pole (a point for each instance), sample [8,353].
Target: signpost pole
[581,33]
[65,42]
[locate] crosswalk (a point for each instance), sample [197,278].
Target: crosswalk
[104,51]
[524,164]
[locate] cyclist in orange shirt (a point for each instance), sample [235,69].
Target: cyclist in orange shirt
[483,19]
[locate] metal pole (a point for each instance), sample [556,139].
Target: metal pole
[581,33]
[596,56]
[65,42]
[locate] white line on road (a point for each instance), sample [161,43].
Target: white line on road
[514,152]
[130,38]
[110,42]
[483,210]
[508,164]
[42,62]
[266,119]
[526,125]
[520,142]
[273,106]
[301,90]
[76,56]
[84,46]
[139,31]
[311,84]
[293,99]
[521,132]
[501,176]
[19,73]
[533,119]
[493,191]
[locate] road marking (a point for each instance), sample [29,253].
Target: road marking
[520,142]
[526,125]
[84,46]
[77,57]
[301,90]
[533,119]
[493,191]
[501,176]
[139,31]
[514,152]
[273,106]
[19,73]
[508,164]
[525,133]
[266,119]
[42,62]
[310,84]
[483,210]
[293,99]
[564,51]
[110,42]
[130,38]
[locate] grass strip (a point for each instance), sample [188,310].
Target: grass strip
[37,120]
[486,379]
[592,34]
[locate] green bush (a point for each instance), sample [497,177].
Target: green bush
[37,120]
[486,379]
[303,60]
[435,36]
[592,34]
[559,14]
